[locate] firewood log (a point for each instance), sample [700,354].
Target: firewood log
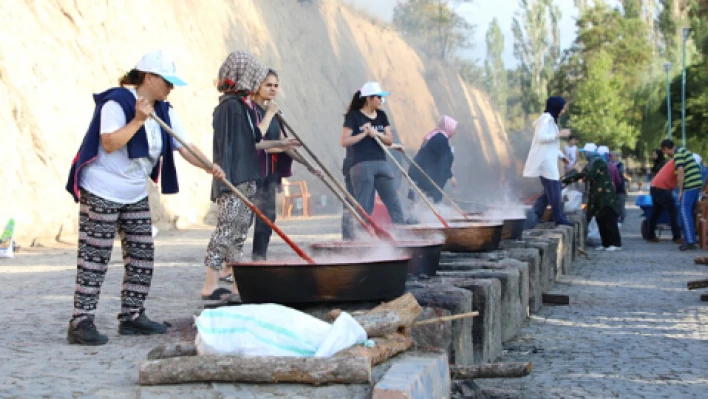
[696,284]
[343,369]
[166,351]
[384,349]
[492,370]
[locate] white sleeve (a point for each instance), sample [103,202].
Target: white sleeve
[179,130]
[546,134]
[112,117]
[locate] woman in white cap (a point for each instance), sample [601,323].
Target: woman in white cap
[237,139]
[366,161]
[122,148]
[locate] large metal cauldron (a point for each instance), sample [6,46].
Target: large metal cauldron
[512,230]
[425,255]
[463,237]
[296,282]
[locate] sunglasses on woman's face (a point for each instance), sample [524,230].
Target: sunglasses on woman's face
[379,97]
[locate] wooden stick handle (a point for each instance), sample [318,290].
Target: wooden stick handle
[346,203]
[379,231]
[208,165]
[446,318]
[430,179]
[415,187]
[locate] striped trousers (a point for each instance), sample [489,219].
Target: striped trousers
[99,219]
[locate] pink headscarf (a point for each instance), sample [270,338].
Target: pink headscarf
[446,126]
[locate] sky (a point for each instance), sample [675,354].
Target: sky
[481,13]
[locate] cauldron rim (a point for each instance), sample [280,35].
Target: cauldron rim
[394,244]
[302,263]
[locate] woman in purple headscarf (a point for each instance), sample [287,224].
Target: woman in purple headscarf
[435,157]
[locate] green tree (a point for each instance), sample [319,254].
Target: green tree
[495,74]
[434,26]
[600,114]
[537,47]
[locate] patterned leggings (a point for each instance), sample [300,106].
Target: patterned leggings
[98,219]
[232,224]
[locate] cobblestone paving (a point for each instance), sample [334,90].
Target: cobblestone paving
[632,329]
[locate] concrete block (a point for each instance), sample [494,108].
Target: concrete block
[581,228]
[544,263]
[424,375]
[564,250]
[456,301]
[511,244]
[486,329]
[496,260]
[511,304]
[532,258]
[555,258]
[435,335]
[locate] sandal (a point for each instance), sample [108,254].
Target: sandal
[227,279]
[218,294]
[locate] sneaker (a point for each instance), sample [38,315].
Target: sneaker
[613,248]
[141,326]
[85,333]
[599,248]
[687,247]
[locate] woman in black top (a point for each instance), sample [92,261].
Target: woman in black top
[237,138]
[368,167]
[435,157]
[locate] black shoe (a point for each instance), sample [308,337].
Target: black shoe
[687,247]
[141,326]
[86,334]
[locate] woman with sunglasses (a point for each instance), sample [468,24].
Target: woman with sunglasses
[121,149]
[368,167]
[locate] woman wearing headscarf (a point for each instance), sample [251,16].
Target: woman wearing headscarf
[602,198]
[542,161]
[435,158]
[122,148]
[237,140]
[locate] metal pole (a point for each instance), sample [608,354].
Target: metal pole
[686,32]
[667,68]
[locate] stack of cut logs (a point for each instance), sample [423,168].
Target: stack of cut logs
[388,325]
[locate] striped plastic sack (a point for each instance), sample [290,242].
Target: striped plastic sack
[273,330]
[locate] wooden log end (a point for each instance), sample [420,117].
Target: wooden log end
[555,299]
[696,284]
[704,297]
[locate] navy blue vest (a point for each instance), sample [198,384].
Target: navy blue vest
[137,145]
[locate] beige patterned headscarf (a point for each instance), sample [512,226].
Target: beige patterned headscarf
[241,72]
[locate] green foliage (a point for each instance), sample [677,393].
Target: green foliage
[434,26]
[537,47]
[495,74]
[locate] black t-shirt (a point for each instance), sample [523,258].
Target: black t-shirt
[367,149]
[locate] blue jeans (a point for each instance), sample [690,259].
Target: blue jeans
[551,195]
[688,204]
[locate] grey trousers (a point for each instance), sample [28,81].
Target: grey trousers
[370,177]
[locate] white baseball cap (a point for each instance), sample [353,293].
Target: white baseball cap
[603,149]
[589,147]
[372,89]
[161,64]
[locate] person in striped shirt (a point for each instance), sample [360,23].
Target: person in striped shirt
[688,176]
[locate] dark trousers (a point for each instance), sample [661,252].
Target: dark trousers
[551,195]
[663,200]
[347,217]
[607,224]
[371,177]
[266,193]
